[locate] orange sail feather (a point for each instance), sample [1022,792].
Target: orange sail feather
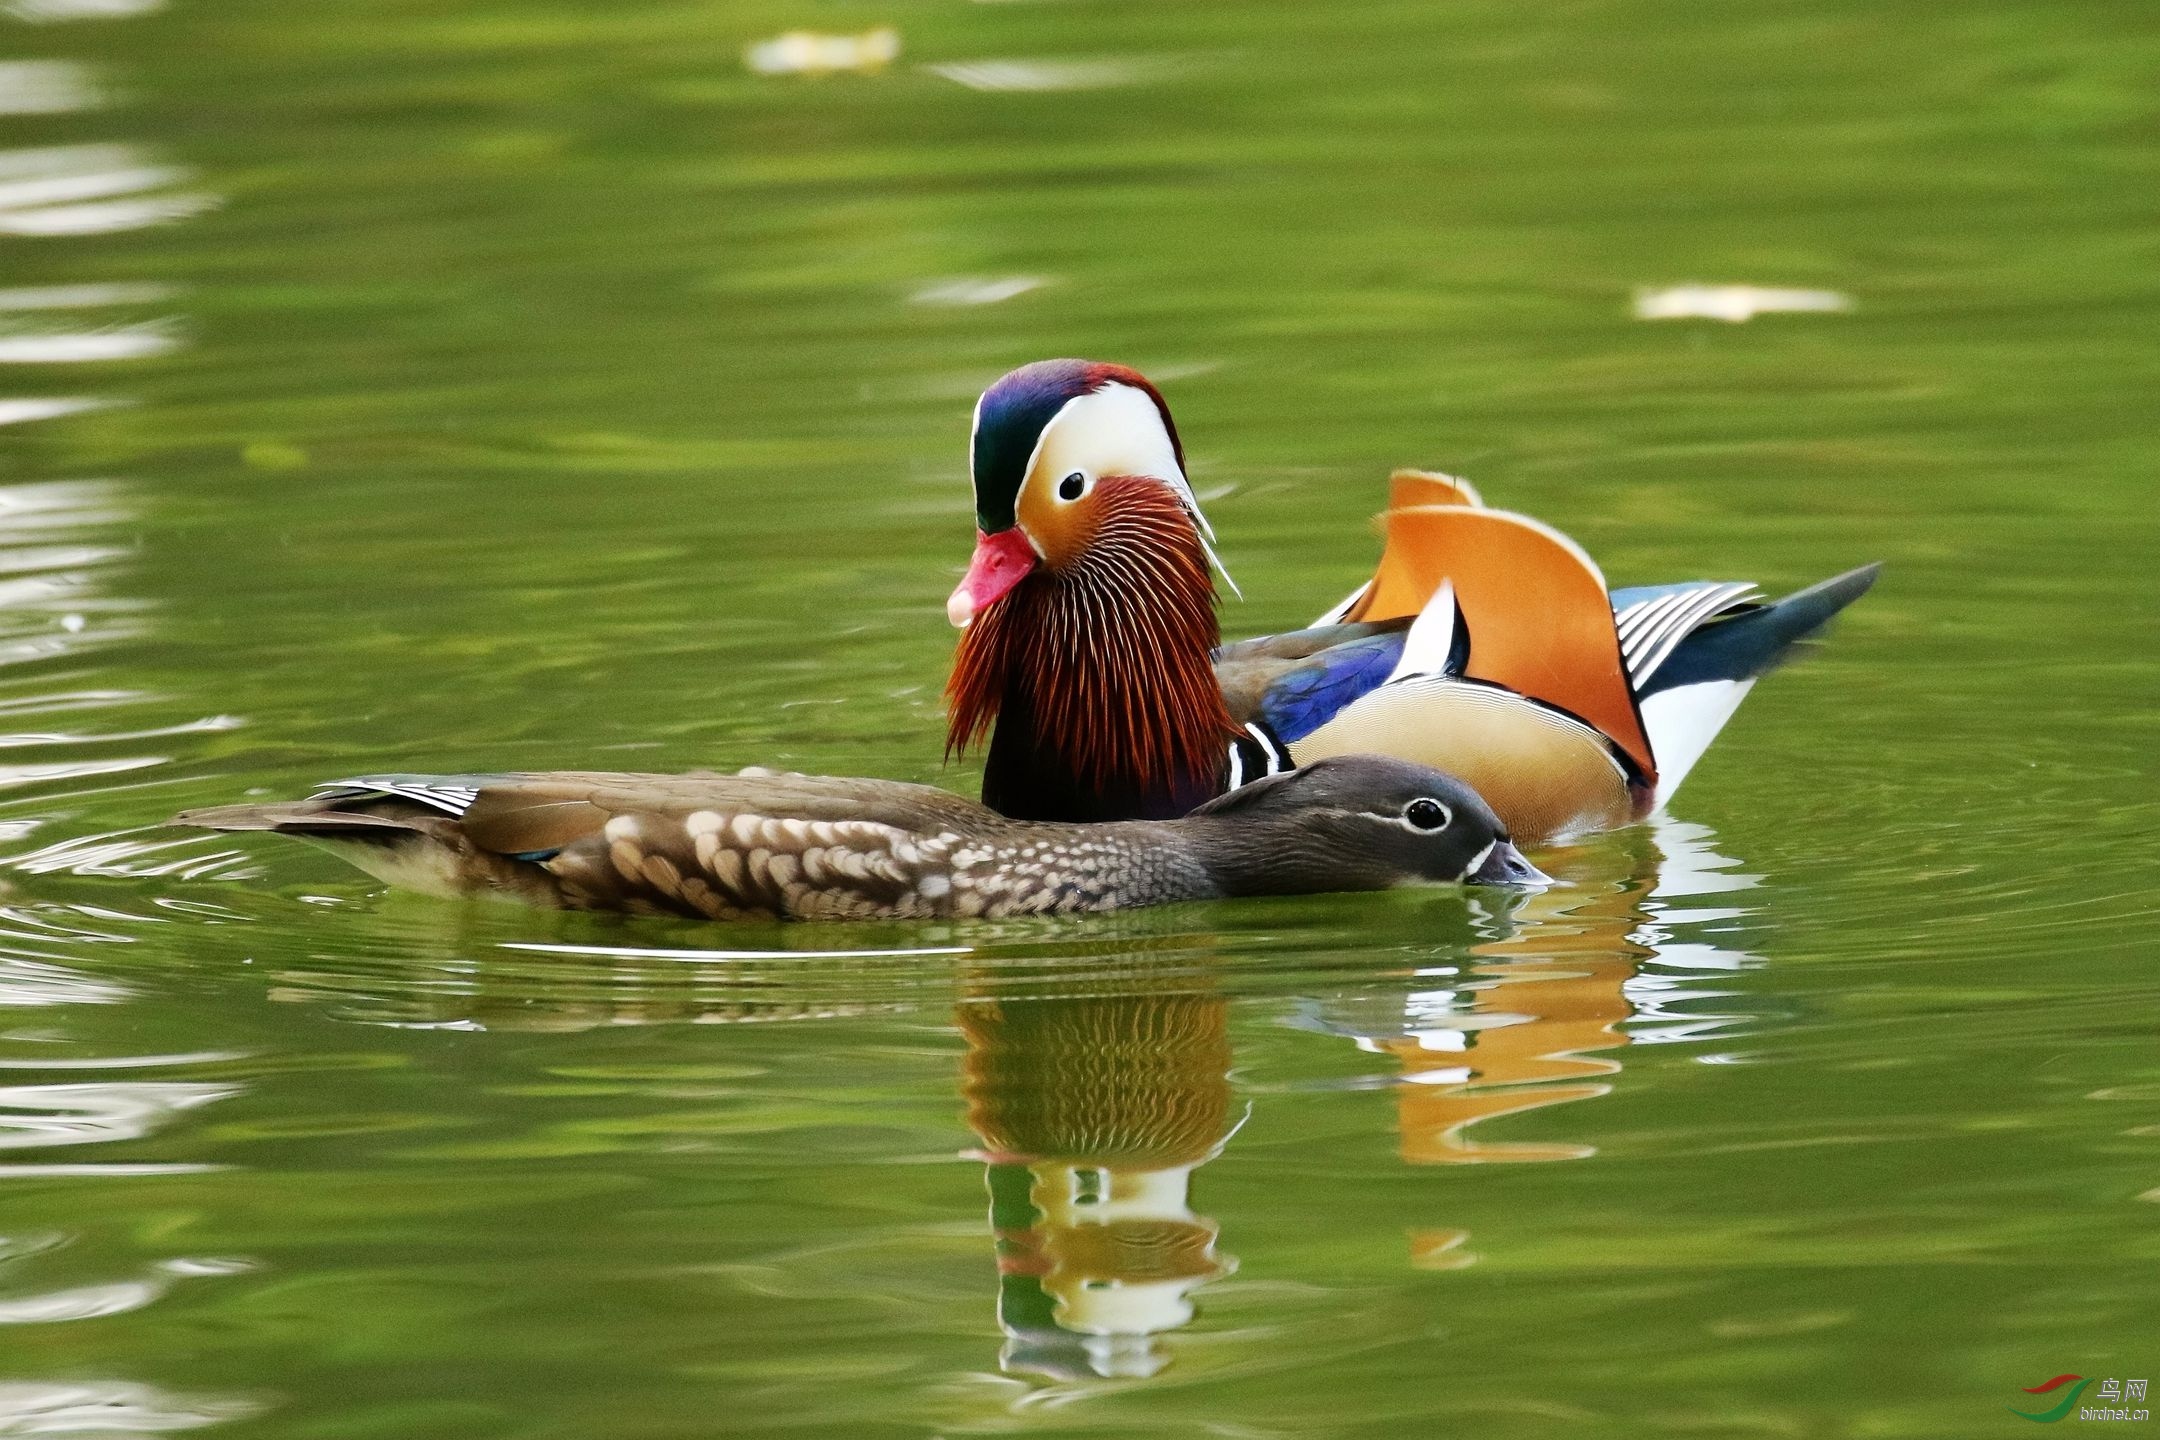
[1540,620]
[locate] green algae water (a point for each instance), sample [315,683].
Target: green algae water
[524,384]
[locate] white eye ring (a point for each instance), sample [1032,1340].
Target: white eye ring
[1426,815]
[1075,485]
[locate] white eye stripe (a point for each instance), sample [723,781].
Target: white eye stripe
[1118,431]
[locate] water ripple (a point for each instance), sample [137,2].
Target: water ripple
[112,342]
[94,1170]
[37,1116]
[115,1297]
[46,12]
[55,604]
[127,1062]
[696,956]
[90,190]
[45,87]
[139,853]
[83,297]
[34,983]
[47,407]
[83,1302]
[110,1407]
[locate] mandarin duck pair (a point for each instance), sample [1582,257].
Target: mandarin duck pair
[1483,686]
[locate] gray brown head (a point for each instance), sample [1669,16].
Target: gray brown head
[1355,822]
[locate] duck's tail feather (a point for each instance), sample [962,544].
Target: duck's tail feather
[1694,692]
[1748,643]
[402,843]
[299,817]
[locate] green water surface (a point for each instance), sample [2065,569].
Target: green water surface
[504,384]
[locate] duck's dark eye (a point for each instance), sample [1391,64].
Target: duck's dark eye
[1071,486]
[1426,814]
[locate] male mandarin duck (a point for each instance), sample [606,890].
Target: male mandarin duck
[801,847]
[1485,644]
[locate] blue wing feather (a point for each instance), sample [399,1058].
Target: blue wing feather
[1300,701]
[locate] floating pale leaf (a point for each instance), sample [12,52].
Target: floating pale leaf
[40,12]
[807,52]
[45,87]
[1041,75]
[976,289]
[121,342]
[1733,303]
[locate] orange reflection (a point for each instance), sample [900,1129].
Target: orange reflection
[1542,1003]
[1536,1020]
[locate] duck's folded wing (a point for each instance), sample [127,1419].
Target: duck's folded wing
[528,814]
[1296,682]
[726,846]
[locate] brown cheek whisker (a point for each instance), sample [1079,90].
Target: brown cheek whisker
[1120,637]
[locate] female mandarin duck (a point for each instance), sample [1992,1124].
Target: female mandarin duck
[1485,644]
[802,847]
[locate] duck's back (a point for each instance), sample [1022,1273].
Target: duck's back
[527,813]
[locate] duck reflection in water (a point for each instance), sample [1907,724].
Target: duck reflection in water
[1535,1019]
[1094,1111]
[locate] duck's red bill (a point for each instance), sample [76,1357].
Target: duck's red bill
[1001,561]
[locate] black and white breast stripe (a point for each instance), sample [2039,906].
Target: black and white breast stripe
[1651,629]
[1256,753]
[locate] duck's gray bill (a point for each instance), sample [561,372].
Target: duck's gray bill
[1505,865]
